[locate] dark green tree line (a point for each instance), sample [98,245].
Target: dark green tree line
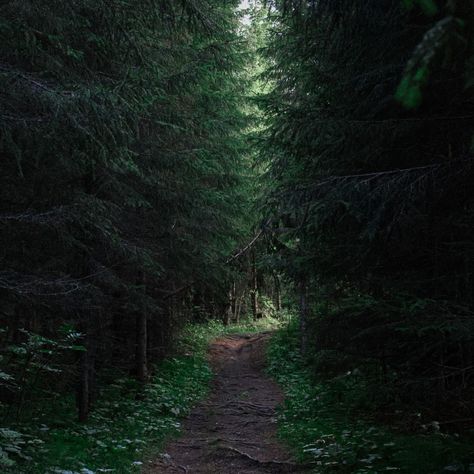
[369,138]
[122,184]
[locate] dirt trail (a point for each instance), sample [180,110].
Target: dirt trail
[234,431]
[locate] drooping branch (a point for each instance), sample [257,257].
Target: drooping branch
[246,248]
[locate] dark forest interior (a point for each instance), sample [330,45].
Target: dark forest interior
[173,171]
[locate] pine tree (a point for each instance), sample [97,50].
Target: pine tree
[122,190]
[370,148]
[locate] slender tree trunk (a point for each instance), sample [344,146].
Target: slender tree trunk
[254,288]
[198,305]
[141,359]
[277,292]
[91,372]
[141,342]
[86,382]
[303,310]
[82,391]
[228,313]
[239,308]
[83,394]
[233,299]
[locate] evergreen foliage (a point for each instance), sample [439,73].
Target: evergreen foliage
[169,162]
[123,186]
[369,143]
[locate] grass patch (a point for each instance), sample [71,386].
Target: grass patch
[320,426]
[196,337]
[129,423]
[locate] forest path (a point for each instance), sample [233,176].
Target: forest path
[234,431]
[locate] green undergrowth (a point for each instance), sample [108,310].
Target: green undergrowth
[128,423]
[196,337]
[323,427]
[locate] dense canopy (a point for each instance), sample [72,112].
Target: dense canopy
[166,163]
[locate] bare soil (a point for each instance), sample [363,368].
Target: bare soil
[234,431]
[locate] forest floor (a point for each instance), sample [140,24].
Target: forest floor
[234,430]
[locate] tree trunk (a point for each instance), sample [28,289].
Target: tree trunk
[86,382]
[83,394]
[141,341]
[239,308]
[233,299]
[254,289]
[303,290]
[228,312]
[277,292]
